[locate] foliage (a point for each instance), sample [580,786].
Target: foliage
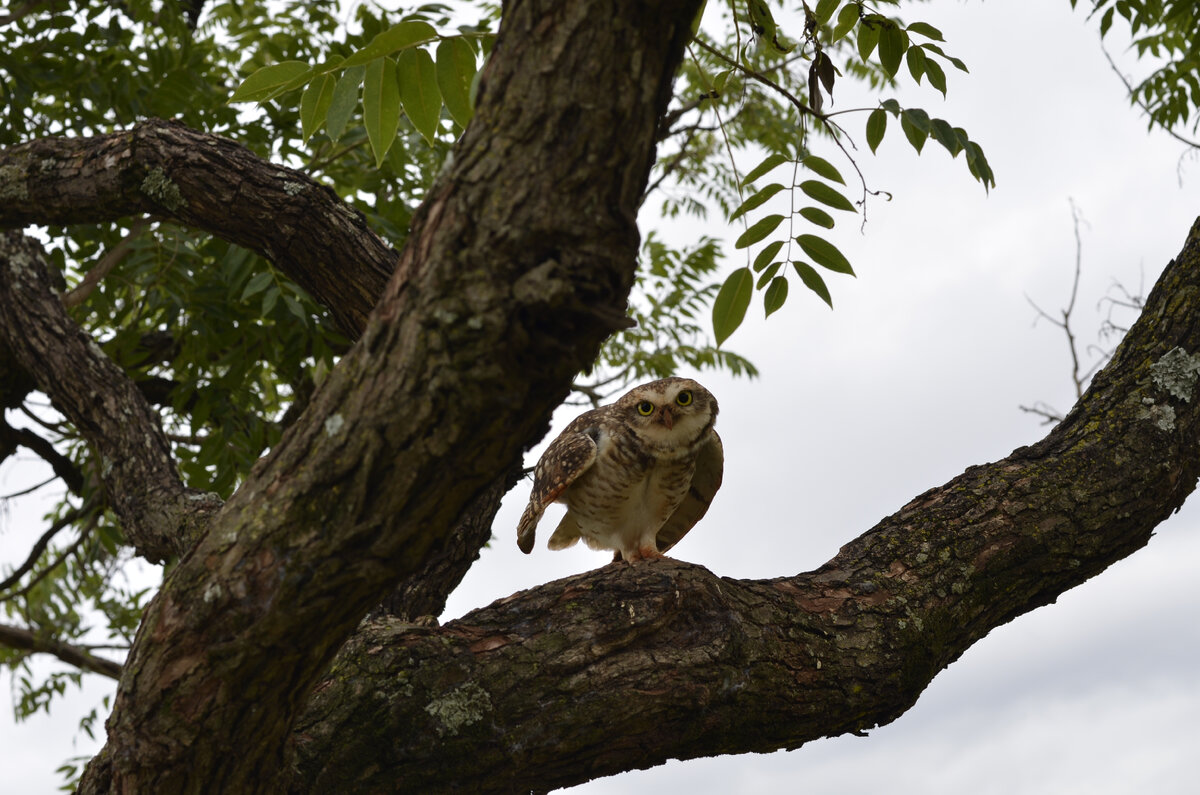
[1165,30]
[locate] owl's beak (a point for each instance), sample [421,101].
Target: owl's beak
[664,416]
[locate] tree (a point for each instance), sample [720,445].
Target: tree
[353,500]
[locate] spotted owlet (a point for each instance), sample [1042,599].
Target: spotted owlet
[635,475]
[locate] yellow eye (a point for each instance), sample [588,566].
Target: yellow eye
[684,398]
[645,408]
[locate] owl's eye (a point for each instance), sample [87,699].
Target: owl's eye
[684,398]
[645,408]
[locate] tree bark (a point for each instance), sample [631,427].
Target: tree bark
[163,169]
[160,516]
[628,666]
[516,268]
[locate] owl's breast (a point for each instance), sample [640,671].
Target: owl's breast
[626,495]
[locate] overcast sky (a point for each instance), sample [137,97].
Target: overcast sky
[915,376]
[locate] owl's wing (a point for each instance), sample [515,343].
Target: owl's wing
[706,479]
[567,457]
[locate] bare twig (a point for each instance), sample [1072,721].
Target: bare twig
[84,532]
[29,490]
[39,547]
[1048,413]
[1077,378]
[101,269]
[28,640]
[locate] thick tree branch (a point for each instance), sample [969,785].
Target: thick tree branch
[27,640]
[422,595]
[210,183]
[159,516]
[628,666]
[517,266]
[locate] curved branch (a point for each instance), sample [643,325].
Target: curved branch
[628,666]
[27,640]
[159,515]
[102,268]
[210,183]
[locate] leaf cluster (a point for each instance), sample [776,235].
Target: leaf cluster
[1167,31]
[792,83]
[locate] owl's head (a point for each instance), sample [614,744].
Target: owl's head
[670,410]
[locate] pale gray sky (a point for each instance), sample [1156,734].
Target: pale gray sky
[916,375]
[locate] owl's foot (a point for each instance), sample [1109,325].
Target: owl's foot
[649,552]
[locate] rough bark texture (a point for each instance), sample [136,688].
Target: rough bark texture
[628,666]
[160,516]
[166,170]
[516,268]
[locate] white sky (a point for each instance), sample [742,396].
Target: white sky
[916,375]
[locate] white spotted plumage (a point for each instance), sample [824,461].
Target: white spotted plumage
[635,475]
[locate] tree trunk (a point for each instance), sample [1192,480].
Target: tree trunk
[516,268]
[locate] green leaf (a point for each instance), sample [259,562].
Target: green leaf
[813,281]
[763,24]
[891,106]
[776,295]
[868,34]
[937,78]
[394,39]
[756,199]
[916,63]
[891,48]
[314,104]
[1106,21]
[345,100]
[455,71]
[847,19]
[381,106]
[824,253]
[419,92]
[767,254]
[822,168]
[758,230]
[265,82]
[767,275]
[876,127]
[771,161]
[926,30]
[978,165]
[825,9]
[296,309]
[270,297]
[257,283]
[720,80]
[941,130]
[826,195]
[817,216]
[915,123]
[729,307]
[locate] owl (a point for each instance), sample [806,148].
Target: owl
[635,475]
